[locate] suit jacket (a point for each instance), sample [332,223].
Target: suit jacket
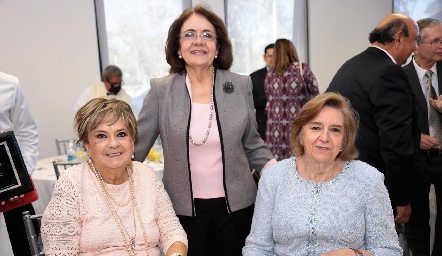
[388,137]
[166,111]
[422,109]
[259,94]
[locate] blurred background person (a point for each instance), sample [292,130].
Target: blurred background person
[205,117]
[322,201]
[288,86]
[16,116]
[379,90]
[259,94]
[111,88]
[424,73]
[109,204]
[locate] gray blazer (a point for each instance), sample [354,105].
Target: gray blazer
[166,111]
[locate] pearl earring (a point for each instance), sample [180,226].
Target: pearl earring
[216,56]
[180,57]
[133,155]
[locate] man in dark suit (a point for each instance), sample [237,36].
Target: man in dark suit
[379,90]
[427,57]
[259,95]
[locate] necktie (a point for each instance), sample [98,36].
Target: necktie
[434,117]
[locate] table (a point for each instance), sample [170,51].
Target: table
[44,179]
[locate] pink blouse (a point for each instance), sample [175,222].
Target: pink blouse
[206,160]
[78,222]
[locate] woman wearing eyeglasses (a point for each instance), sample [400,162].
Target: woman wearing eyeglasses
[205,117]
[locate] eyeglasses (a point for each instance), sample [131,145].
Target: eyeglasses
[435,43]
[192,36]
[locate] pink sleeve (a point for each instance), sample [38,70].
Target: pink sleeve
[61,223]
[168,223]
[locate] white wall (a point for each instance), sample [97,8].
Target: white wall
[51,46]
[216,5]
[338,30]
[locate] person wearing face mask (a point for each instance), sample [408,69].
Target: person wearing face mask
[110,88]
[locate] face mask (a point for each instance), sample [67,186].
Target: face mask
[115,88]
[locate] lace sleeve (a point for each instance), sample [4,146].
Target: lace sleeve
[170,228]
[61,222]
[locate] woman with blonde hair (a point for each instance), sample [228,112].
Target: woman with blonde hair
[110,205]
[289,85]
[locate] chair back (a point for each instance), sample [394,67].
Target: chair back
[62,146]
[36,247]
[61,166]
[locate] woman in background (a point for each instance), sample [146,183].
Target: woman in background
[322,201]
[288,86]
[205,117]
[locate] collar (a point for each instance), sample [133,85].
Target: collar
[391,57]
[421,72]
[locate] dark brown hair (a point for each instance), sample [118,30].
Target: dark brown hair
[284,55]
[385,34]
[225,55]
[312,109]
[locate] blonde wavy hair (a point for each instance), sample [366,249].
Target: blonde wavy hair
[100,110]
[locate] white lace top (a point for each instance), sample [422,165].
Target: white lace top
[78,222]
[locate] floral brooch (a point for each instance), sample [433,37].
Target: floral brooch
[228,87]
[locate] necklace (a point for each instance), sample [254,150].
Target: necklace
[130,245]
[100,177]
[210,116]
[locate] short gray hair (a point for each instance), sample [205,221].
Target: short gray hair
[426,23]
[111,71]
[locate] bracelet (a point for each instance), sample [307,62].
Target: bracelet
[357,252]
[176,254]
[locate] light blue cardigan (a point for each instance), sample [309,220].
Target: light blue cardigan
[166,111]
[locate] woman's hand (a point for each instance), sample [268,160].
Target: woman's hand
[177,247]
[345,252]
[13,199]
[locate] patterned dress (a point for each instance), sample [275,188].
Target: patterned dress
[286,95]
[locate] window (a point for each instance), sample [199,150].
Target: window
[254,25]
[419,9]
[136,36]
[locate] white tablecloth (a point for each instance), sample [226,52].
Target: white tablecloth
[44,179]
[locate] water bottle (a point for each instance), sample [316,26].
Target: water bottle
[71,151]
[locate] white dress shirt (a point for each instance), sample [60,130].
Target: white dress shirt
[99,90]
[15,116]
[423,79]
